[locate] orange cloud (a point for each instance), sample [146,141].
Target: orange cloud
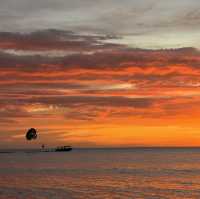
[113,95]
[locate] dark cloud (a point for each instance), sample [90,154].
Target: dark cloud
[81,101]
[77,108]
[34,87]
[53,39]
[115,60]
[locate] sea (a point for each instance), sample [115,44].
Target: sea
[131,173]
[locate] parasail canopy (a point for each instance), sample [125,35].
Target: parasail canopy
[31,134]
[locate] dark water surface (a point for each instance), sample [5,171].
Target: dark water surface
[145,173]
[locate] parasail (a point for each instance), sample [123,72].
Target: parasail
[31,134]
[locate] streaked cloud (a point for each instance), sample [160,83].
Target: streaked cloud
[86,70]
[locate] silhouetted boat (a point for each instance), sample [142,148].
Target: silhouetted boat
[63,148]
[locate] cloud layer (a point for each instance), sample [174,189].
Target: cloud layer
[143,24]
[81,71]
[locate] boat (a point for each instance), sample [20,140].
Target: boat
[63,148]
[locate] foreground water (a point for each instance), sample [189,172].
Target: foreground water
[101,174]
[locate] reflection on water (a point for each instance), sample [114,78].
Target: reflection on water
[101,174]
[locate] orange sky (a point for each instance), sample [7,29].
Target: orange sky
[100,77]
[115,97]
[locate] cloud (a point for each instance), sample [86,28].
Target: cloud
[116,77]
[86,64]
[53,40]
[117,59]
[142,24]
[81,101]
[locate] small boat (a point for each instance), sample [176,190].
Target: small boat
[63,148]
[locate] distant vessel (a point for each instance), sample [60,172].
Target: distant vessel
[63,148]
[57,149]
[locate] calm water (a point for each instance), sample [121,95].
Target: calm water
[102,174]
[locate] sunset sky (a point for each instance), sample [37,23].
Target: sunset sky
[100,73]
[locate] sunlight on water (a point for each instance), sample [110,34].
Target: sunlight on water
[101,174]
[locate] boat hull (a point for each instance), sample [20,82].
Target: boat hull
[63,150]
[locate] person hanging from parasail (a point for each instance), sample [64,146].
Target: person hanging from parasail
[31,134]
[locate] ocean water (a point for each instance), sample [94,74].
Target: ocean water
[144,173]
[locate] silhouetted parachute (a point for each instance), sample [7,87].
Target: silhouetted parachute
[31,134]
